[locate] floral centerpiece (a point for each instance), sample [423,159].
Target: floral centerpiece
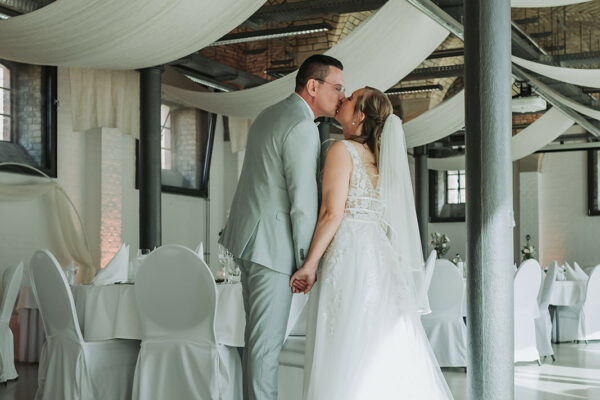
[440,242]
[528,251]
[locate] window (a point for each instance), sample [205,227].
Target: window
[593,182]
[187,136]
[5,105]
[166,146]
[28,117]
[447,196]
[455,187]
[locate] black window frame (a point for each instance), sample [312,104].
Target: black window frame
[593,164]
[49,134]
[457,211]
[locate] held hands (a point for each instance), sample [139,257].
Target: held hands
[303,280]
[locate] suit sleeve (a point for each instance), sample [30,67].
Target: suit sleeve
[300,163]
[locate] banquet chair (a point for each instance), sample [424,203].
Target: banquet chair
[70,367]
[444,326]
[543,323]
[582,321]
[179,357]
[527,283]
[11,283]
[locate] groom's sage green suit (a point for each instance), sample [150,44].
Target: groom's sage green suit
[270,226]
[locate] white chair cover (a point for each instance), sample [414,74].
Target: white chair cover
[179,357]
[582,321]
[71,368]
[526,288]
[543,323]
[444,326]
[11,283]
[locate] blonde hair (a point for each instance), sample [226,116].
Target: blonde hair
[376,107]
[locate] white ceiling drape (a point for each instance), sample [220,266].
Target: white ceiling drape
[378,53]
[543,3]
[543,131]
[576,76]
[116,34]
[437,123]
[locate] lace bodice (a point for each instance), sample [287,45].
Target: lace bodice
[363,199]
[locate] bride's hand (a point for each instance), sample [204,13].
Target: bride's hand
[303,280]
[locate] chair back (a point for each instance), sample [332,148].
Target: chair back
[11,284]
[548,286]
[592,292]
[527,284]
[53,297]
[176,296]
[446,290]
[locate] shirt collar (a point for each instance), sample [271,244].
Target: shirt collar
[307,106]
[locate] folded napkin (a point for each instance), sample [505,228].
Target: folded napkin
[580,272]
[116,270]
[560,273]
[570,274]
[200,251]
[70,272]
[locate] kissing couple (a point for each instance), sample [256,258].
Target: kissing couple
[356,254]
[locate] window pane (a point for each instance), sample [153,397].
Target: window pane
[4,101]
[164,114]
[5,128]
[452,196]
[463,196]
[166,160]
[165,138]
[452,181]
[4,77]
[463,181]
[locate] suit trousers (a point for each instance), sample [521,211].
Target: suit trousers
[267,299]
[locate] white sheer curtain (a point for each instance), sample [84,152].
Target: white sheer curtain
[118,34]
[576,76]
[379,53]
[70,230]
[544,130]
[105,98]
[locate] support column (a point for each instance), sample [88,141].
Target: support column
[422,194]
[490,367]
[149,158]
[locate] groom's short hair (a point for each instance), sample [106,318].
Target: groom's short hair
[315,67]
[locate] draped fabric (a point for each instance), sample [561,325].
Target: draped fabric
[543,3]
[543,131]
[69,230]
[380,52]
[116,34]
[105,98]
[575,76]
[590,112]
[437,123]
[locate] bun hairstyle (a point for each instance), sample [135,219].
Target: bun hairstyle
[376,107]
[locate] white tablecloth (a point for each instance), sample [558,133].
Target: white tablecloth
[109,312]
[568,293]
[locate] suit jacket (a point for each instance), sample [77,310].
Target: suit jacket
[274,210]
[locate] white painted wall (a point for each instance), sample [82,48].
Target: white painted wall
[568,233]
[26,226]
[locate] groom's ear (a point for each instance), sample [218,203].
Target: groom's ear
[311,87]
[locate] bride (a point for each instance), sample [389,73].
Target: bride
[365,340]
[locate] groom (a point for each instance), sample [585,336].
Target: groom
[274,212]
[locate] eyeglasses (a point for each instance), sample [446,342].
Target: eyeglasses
[338,88]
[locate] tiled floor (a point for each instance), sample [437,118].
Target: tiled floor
[574,375]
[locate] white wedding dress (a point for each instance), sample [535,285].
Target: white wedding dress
[365,340]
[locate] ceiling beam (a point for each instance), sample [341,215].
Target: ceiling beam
[312,8]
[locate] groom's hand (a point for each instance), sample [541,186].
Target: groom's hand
[303,280]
